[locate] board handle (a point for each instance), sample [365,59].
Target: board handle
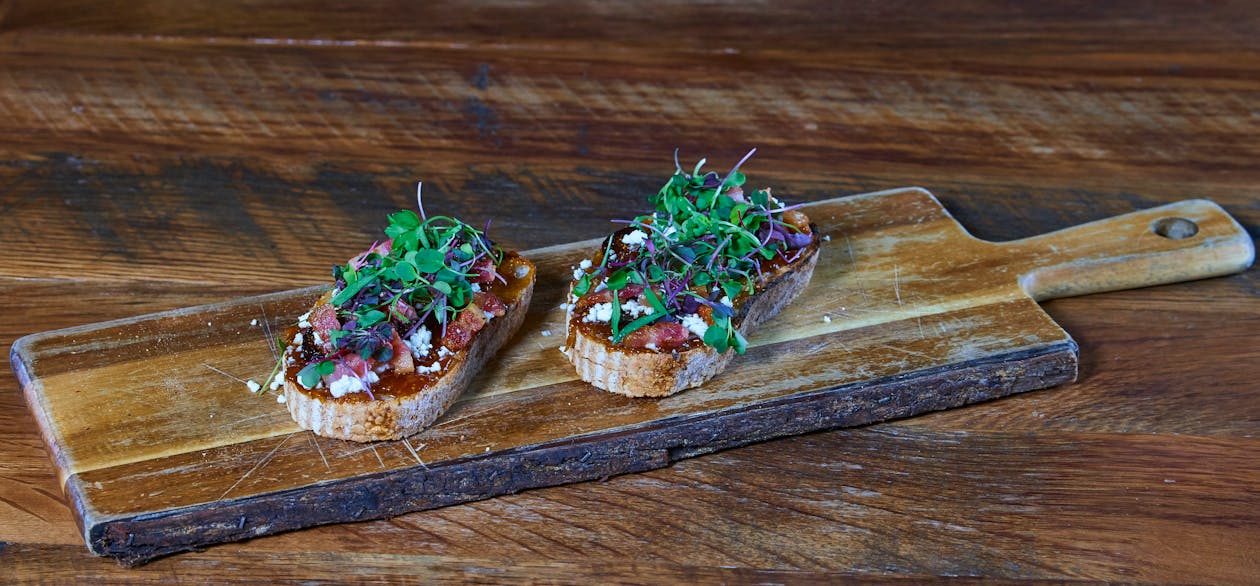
[1183,241]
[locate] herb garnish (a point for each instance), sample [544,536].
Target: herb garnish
[702,246]
[423,273]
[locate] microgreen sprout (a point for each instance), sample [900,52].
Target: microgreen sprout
[705,245]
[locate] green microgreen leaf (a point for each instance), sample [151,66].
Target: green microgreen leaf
[583,285]
[429,261]
[617,281]
[353,288]
[371,318]
[715,336]
[616,313]
[636,324]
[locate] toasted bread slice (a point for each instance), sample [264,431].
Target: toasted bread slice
[637,372]
[403,404]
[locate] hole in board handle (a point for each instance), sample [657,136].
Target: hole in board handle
[1175,228]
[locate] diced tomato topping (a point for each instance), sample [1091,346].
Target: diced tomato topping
[490,303]
[483,271]
[460,331]
[324,320]
[626,294]
[403,310]
[381,248]
[662,335]
[402,362]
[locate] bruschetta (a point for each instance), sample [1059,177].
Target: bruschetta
[407,325]
[665,302]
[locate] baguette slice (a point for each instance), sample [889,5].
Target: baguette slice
[394,416]
[641,373]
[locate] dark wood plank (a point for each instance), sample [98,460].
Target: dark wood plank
[1023,117]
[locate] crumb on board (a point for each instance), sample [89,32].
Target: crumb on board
[280,398]
[209,323]
[827,319]
[827,237]
[253,322]
[254,387]
[546,333]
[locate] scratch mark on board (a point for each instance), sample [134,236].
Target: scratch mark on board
[414,454]
[856,273]
[259,465]
[897,283]
[314,442]
[235,378]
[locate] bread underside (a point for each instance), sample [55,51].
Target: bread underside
[639,373]
[391,418]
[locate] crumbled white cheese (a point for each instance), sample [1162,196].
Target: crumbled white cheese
[253,386]
[726,300]
[601,286]
[344,385]
[298,339]
[304,320]
[304,324]
[276,383]
[827,319]
[827,238]
[651,346]
[443,352]
[635,309]
[253,322]
[599,312]
[696,324]
[577,274]
[476,287]
[280,398]
[209,323]
[546,333]
[318,340]
[435,367]
[634,238]
[420,342]
[521,271]
[304,316]
[585,264]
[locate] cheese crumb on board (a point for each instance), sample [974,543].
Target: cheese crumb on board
[253,386]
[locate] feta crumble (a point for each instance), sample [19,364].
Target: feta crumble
[420,342]
[546,333]
[696,324]
[253,322]
[585,264]
[827,319]
[634,238]
[827,237]
[253,386]
[521,271]
[651,346]
[599,312]
[280,398]
[577,274]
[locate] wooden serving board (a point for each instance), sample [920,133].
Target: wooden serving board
[906,314]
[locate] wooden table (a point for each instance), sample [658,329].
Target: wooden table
[158,154]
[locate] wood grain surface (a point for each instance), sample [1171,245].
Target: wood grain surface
[159,155]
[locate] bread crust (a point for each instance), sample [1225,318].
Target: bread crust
[660,374]
[391,418]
